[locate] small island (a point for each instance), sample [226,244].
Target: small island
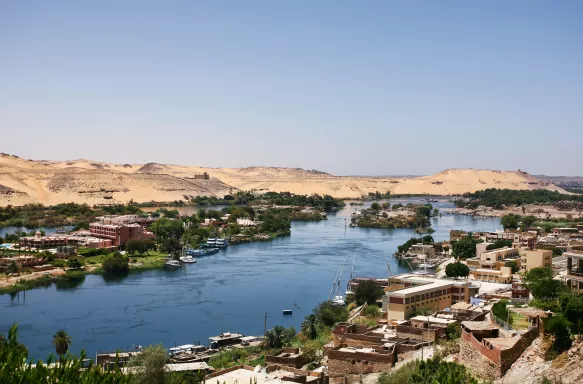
[396,216]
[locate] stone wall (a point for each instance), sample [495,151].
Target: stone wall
[341,363]
[424,334]
[476,362]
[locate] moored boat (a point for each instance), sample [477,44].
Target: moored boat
[188,259]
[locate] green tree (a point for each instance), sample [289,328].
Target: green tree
[457,269]
[528,220]
[453,331]
[310,326]
[499,244]
[329,314]
[540,283]
[279,336]
[560,328]
[375,206]
[372,311]
[116,265]
[134,246]
[150,365]
[14,367]
[368,291]
[61,341]
[500,310]
[74,263]
[512,264]
[464,248]
[572,310]
[510,221]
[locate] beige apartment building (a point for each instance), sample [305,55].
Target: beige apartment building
[408,293]
[501,276]
[535,258]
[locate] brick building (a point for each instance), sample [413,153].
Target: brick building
[119,234]
[343,360]
[39,241]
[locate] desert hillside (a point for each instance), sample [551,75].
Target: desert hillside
[85,181]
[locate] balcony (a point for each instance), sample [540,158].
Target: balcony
[575,272]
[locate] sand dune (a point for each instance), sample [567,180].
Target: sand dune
[85,181]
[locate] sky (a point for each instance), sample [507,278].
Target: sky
[346,87]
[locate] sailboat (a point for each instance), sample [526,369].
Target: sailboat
[334,297]
[349,285]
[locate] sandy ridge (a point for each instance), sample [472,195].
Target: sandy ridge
[85,181]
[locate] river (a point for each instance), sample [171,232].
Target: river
[229,291]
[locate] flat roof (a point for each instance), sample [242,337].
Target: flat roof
[196,366]
[429,285]
[431,319]
[479,325]
[243,375]
[226,336]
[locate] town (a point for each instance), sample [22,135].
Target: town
[480,300]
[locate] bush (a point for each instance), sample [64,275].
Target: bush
[329,314]
[116,264]
[368,291]
[560,328]
[372,311]
[455,270]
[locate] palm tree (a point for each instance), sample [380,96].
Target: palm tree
[310,326]
[275,337]
[61,341]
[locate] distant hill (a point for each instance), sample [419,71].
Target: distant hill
[92,182]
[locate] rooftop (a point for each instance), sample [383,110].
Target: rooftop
[243,375]
[479,325]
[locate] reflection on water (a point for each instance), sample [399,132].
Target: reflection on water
[229,291]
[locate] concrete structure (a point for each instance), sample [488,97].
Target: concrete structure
[481,248]
[271,375]
[574,278]
[224,339]
[289,357]
[119,234]
[203,176]
[344,360]
[422,250]
[535,258]
[242,222]
[489,351]
[39,241]
[409,292]
[501,276]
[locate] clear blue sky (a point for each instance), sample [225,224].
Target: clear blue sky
[360,87]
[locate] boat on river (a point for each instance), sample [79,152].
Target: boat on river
[217,243]
[338,300]
[172,264]
[188,259]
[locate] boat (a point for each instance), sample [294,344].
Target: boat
[287,312]
[188,259]
[338,300]
[211,251]
[221,243]
[211,242]
[172,264]
[197,252]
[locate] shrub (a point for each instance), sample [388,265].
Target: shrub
[116,264]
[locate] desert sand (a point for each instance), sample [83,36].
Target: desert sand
[85,181]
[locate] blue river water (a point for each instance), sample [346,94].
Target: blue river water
[227,292]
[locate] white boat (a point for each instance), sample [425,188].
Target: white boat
[338,300]
[188,259]
[172,264]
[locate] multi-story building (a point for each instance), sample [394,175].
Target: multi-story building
[535,258]
[40,241]
[119,234]
[501,276]
[409,293]
[500,254]
[574,278]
